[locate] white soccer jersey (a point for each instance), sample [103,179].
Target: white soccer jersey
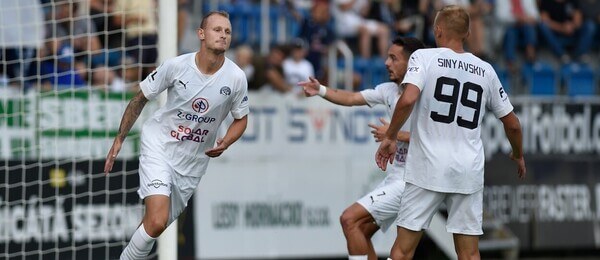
[387,94]
[187,124]
[296,71]
[446,153]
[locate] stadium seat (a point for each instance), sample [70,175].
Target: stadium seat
[579,79]
[541,79]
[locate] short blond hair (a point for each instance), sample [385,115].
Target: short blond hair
[453,19]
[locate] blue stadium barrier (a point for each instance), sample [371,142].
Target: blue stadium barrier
[541,78]
[362,66]
[579,79]
[379,73]
[504,78]
[247,22]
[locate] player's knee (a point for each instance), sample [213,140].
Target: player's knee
[398,254]
[348,221]
[468,254]
[154,226]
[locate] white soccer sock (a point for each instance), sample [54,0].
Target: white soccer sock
[139,246]
[358,257]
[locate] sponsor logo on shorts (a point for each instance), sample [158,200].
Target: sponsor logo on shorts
[200,105]
[245,99]
[226,91]
[195,118]
[156,183]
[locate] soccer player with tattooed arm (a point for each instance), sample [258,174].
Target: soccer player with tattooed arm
[449,89]
[178,140]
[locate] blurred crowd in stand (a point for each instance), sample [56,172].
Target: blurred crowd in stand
[112,44]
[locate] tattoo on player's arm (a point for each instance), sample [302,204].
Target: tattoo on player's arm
[132,112]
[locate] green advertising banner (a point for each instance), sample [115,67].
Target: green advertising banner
[72,124]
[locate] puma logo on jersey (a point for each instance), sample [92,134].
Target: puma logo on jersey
[184,84]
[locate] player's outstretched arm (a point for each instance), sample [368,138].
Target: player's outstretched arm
[512,128]
[312,87]
[131,114]
[380,130]
[235,131]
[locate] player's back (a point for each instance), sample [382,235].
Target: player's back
[446,151]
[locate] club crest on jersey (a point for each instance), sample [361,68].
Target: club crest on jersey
[226,91]
[200,105]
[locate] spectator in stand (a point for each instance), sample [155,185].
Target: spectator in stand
[296,68]
[70,27]
[274,70]
[130,73]
[59,68]
[477,9]
[591,19]
[561,26]
[138,18]
[71,44]
[317,31]
[244,58]
[409,19]
[102,14]
[350,23]
[106,79]
[21,33]
[519,18]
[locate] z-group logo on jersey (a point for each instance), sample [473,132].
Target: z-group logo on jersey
[195,118]
[200,105]
[226,91]
[156,183]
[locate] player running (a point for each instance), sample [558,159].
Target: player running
[379,208]
[177,142]
[451,89]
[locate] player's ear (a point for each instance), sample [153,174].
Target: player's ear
[200,33]
[437,32]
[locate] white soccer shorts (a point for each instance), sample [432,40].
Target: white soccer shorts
[158,178]
[383,203]
[465,211]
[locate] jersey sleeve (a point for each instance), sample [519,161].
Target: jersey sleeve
[415,73]
[373,96]
[498,101]
[240,100]
[159,80]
